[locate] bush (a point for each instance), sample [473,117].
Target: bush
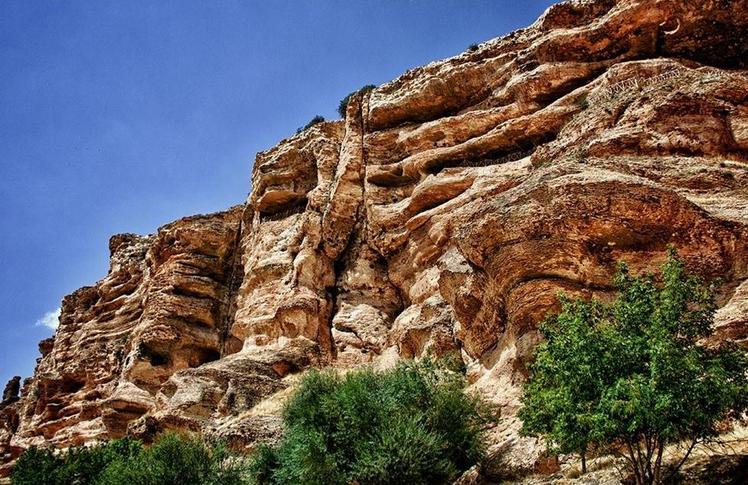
[473,47]
[312,122]
[583,101]
[343,105]
[37,465]
[413,424]
[632,376]
[173,459]
[79,465]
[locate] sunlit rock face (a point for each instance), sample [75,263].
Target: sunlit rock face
[443,214]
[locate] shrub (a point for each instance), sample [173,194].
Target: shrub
[173,459]
[312,122]
[583,101]
[343,105]
[631,376]
[472,47]
[37,465]
[79,465]
[412,424]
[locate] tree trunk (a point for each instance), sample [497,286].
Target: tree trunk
[638,479]
[658,463]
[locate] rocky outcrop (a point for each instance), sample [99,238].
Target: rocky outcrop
[443,214]
[11,391]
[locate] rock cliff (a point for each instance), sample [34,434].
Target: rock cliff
[443,214]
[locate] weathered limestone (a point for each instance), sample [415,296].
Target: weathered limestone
[443,215]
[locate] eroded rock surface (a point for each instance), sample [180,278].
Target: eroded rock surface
[443,214]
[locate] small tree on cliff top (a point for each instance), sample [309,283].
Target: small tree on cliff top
[631,376]
[316,120]
[343,104]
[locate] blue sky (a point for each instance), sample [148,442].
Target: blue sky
[120,116]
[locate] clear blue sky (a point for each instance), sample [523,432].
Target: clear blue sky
[120,116]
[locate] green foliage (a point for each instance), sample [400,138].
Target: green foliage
[173,459]
[343,105]
[631,375]
[312,122]
[37,465]
[583,102]
[79,465]
[264,463]
[412,424]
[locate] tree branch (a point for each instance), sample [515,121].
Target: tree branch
[694,441]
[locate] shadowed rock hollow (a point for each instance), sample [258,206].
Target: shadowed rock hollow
[444,213]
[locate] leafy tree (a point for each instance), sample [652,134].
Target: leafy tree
[632,376]
[412,424]
[343,105]
[566,379]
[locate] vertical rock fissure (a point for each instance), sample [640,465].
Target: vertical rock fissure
[229,300]
[339,264]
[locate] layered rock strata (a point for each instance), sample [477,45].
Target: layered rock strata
[443,214]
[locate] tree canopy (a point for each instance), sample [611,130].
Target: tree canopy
[633,376]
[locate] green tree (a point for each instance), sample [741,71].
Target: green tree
[633,376]
[566,379]
[412,424]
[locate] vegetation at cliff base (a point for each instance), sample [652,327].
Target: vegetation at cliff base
[343,105]
[633,376]
[413,424]
[173,460]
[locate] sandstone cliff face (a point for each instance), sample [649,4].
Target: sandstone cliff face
[443,214]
